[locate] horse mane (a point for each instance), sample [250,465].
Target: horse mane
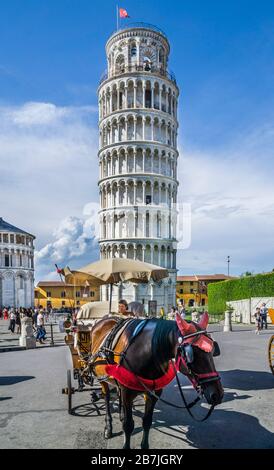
[161,346]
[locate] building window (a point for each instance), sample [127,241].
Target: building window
[63,294]
[5,238]
[48,294]
[78,302]
[7,261]
[191,283]
[78,293]
[0,237]
[181,291]
[148,99]
[92,294]
[63,303]
[133,51]
[20,260]
[12,238]
[191,291]
[21,282]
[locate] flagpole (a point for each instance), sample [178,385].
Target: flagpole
[117,14]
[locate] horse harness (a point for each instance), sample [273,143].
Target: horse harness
[184,357]
[106,351]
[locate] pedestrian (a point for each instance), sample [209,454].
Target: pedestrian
[18,321]
[12,320]
[41,332]
[264,312]
[6,314]
[172,314]
[182,310]
[258,320]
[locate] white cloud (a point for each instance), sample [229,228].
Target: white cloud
[232,199]
[48,164]
[37,114]
[75,239]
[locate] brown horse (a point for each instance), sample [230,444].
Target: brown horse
[140,362]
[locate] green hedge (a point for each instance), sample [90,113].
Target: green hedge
[260,285]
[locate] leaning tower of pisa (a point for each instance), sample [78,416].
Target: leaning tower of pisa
[138,158]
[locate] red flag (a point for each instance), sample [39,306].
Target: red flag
[123,13]
[59,271]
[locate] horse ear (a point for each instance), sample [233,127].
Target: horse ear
[184,327]
[204,321]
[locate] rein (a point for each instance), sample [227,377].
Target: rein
[186,405]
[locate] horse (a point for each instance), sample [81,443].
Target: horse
[141,362]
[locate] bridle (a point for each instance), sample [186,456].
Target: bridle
[195,378]
[184,358]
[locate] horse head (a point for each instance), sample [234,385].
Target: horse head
[195,358]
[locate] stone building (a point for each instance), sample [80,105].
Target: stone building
[16,266]
[138,158]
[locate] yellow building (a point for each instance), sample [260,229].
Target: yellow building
[57,294]
[193,289]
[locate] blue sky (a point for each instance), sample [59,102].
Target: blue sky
[51,58]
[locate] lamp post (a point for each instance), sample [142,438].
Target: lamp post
[228,261]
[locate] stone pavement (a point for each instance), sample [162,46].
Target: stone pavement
[33,411]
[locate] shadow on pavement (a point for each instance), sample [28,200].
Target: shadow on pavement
[224,430]
[89,410]
[11,380]
[247,379]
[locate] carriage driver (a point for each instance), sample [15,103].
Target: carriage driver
[123,309]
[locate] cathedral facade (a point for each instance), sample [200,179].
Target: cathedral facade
[16,267]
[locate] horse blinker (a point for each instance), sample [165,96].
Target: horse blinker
[188,353]
[216,349]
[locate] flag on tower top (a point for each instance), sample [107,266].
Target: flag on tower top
[123,13]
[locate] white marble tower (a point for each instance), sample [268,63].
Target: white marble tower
[138,158]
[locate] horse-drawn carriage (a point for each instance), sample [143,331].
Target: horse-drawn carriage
[138,356]
[78,341]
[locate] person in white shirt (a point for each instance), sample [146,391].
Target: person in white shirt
[41,332]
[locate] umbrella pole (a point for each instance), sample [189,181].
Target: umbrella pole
[110,298]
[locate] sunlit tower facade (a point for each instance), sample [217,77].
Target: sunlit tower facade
[138,100]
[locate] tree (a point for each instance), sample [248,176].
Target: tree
[247,273]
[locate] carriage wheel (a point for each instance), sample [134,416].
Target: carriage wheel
[271,353]
[69,389]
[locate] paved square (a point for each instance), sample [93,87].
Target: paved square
[33,411]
